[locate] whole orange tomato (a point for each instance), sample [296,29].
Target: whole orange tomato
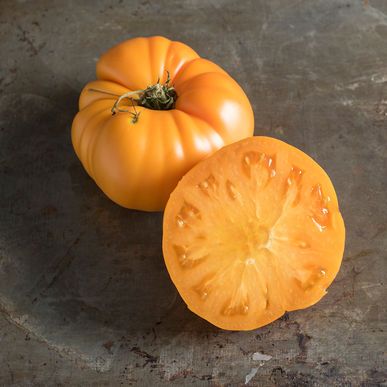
[156,109]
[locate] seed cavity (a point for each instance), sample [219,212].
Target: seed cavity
[320,214]
[208,185]
[238,304]
[181,253]
[232,192]
[204,287]
[186,258]
[232,310]
[261,165]
[187,214]
[293,185]
[308,280]
[180,222]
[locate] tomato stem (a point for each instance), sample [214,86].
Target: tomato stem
[104,92]
[156,97]
[159,96]
[135,115]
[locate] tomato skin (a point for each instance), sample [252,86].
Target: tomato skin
[138,164]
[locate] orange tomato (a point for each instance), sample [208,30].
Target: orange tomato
[172,109]
[251,232]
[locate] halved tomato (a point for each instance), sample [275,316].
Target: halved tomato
[251,232]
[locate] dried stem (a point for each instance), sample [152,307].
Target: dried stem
[155,97]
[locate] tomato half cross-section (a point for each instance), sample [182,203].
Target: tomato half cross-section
[156,110]
[252,232]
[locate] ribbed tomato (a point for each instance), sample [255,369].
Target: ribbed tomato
[156,109]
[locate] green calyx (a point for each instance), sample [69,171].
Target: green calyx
[158,96]
[155,97]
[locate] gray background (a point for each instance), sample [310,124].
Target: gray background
[85,298]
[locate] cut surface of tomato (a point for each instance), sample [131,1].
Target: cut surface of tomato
[251,232]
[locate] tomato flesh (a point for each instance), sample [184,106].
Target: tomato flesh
[252,232]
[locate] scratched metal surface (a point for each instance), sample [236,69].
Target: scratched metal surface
[84,294]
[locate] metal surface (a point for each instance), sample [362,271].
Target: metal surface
[84,280]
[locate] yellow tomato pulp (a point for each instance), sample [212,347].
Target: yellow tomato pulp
[251,232]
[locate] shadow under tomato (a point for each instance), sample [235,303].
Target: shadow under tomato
[75,265]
